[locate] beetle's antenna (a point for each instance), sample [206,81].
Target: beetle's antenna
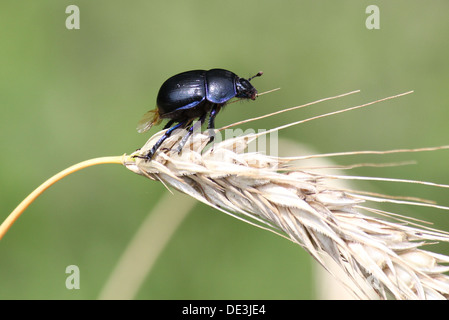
[256,75]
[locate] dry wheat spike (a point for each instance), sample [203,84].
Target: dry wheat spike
[377,258]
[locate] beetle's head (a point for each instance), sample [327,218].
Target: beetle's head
[245,89]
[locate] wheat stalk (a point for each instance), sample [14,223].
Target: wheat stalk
[376,258]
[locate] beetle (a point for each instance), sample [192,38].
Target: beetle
[194,94]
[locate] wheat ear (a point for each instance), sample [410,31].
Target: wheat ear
[377,258]
[373,256]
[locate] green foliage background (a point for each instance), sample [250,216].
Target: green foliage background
[72,95]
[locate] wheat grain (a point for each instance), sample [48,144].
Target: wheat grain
[376,258]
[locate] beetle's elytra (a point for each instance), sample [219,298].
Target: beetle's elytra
[194,94]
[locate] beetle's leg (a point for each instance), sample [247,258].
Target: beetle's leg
[162,139]
[211,125]
[169,124]
[195,126]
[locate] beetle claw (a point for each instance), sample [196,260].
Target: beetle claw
[146,157]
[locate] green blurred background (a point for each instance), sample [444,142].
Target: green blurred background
[71,95]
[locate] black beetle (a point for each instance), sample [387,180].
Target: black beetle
[193,94]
